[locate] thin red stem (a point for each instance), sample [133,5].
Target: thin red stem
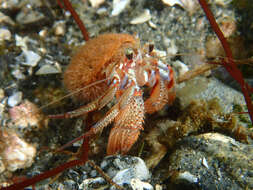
[229,63]
[55,171]
[43,176]
[77,19]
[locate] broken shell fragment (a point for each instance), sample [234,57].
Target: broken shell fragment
[48,69]
[26,114]
[144,17]
[15,152]
[96,3]
[119,6]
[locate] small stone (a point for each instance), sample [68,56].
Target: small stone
[59,28]
[186,176]
[15,152]
[2,166]
[1,94]
[229,166]
[21,41]
[137,184]
[122,169]
[18,74]
[158,187]
[29,16]
[26,114]
[48,69]
[15,99]
[96,3]
[6,19]
[144,17]
[43,33]
[102,11]
[89,183]
[5,34]
[181,67]
[32,58]
[204,162]
[189,5]
[152,25]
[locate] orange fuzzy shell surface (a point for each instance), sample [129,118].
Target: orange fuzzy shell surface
[88,63]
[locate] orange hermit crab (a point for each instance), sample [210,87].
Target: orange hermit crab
[127,68]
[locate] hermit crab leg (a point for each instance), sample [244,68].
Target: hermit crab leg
[110,116]
[128,124]
[113,112]
[162,92]
[97,104]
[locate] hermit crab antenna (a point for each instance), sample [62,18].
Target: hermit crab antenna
[68,6]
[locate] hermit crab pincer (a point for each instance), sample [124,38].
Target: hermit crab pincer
[127,68]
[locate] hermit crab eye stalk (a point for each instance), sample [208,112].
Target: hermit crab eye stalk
[129,53]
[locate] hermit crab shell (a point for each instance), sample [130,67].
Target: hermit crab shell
[88,64]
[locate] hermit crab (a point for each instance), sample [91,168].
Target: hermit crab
[127,68]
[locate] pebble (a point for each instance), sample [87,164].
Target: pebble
[21,41]
[5,34]
[48,69]
[152,25]
[31,58]
[186,176]
[6,19]
[96,3]
[137,184]
[18,74]
[172,2]
[230,163]
[189,5]
[1,94]
[181,67]
[122,169]
[2,166]
[43,33]
[88,183]
[29,16]
[16,152]
[59,28]
[15,99]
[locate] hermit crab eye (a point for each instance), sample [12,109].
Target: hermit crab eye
[129,53]
[150,48]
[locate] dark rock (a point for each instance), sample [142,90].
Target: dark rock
[212,161]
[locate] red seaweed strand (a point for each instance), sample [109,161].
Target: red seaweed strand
[53,172]
[229,63]
[77,19]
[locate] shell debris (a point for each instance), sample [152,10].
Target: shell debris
[15,152]
[48,69]
[119,6]
[189,5]
[96,3]
[15,99]
[144,17]
[26,114]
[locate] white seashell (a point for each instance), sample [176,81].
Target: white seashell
[173,2]
[5,34]
[48,69]
[151,24]
[137,184]
[15,99]
[96,3]
[119,6]
[144,17]
[31,57]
